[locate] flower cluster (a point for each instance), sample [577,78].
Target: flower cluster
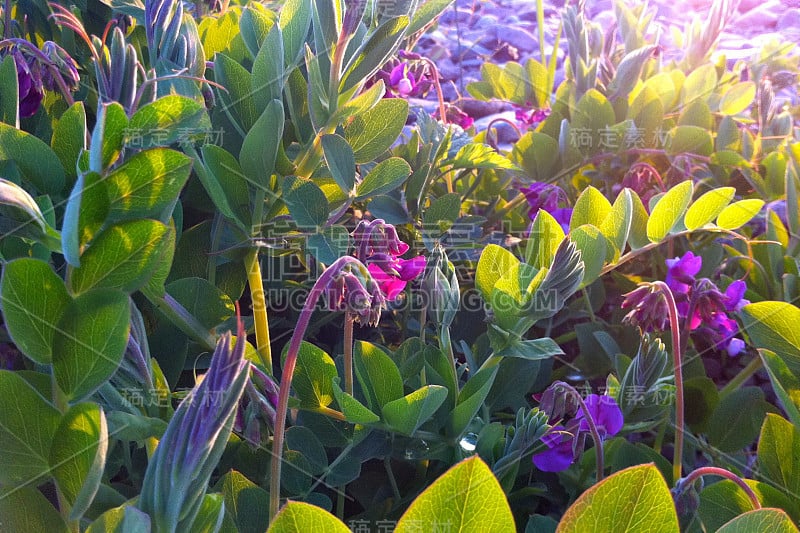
[378,246]
[704,308]
[549,197]
[405,79]
[38,70]
[565,442]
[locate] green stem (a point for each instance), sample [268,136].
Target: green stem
[674,326]
[348,352]
[259,302]
[744,374]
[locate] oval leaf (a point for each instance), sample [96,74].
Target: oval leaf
[668,210]
[386,176]
[90,341]
[772,520]
[738,98]
[590,208]
[407,414]
[78,455]
[466,498]
[708,206]
[739,213]
[33,299]
[634,499]
[299,517]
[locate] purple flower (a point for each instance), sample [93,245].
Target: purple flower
[401,80]
[734,296]
[681,272]
[548,196]
[29,80]
[560,453]
[606,414]
[454,115]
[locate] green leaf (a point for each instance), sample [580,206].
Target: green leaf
[9,92]
[127,427]
[592,244]
[226,184]
[785,384]
[470,399]
[268,73]
[122,519]
[543,241]
[24,508]
[108,137]
[341,162]
[479,155]
[329,244]
[699,84]
[467,498]
[378,47]
[123,256]
[737,419]
[407,414]
[725,500]
[591,207]
[26,217]
[353,410]
[633,499]
[617,224]
[294,21]
[441,214]
[737,98]
[167,120]
[594,115]
[244,502]
[779,454]
[690,139]
[306,202]
[147,184]
[29,424]
[254,24]
[78,455]
[492,265]
[373,132]
[33,298]
[707,207]
[773,520]
[668,211]
[378,375]
[207,303]
[773,325]
[739,213]
[637,237]
[313,376]
[69,138]
[299,517]
[238,99]
[260,147]
[387,175]
[210,515]
[35,160]
[90,341]
[537,154]
[222,34]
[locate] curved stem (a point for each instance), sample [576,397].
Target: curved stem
[288,372]
[677,461]
[721,472]
[598,442]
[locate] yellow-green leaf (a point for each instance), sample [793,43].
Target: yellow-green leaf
[737,98]
[739,213]
[669,209]
[708,206]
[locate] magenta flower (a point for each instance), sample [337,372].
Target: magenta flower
[530,118]
[378,246]
[681,272]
